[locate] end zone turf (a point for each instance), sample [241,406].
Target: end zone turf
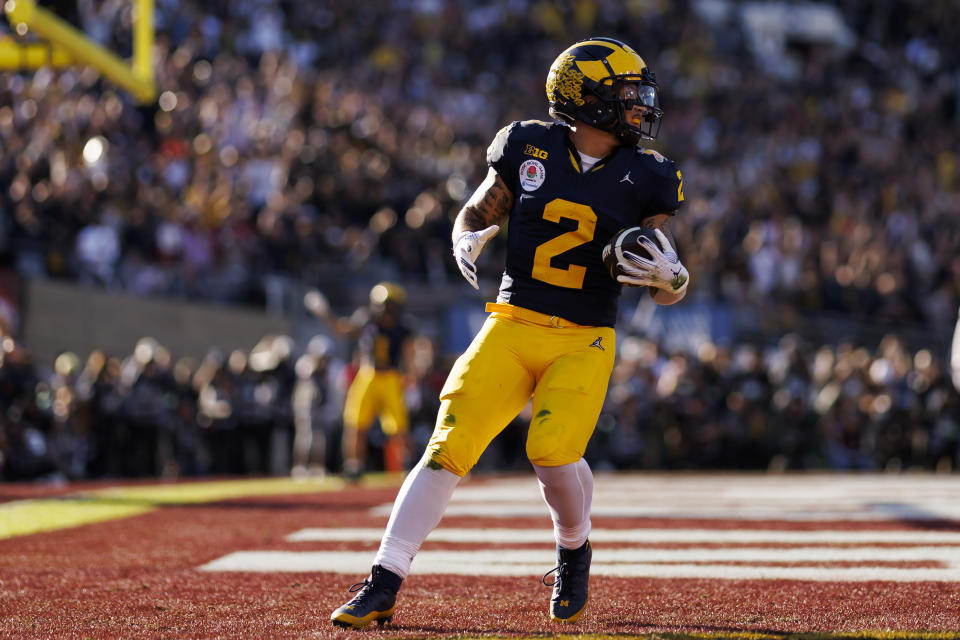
[112,562]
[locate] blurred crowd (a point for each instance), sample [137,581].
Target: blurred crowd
[293,140]
[821,171]
[787,406]
[268,411]
[272,410]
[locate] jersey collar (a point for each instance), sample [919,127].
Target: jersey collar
[575,156]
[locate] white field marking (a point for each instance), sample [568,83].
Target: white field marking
[719,536]
[815,498]
[709,512]
[705,512]
[789,497]
[610,562]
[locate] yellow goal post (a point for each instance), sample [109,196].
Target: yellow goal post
[64,45]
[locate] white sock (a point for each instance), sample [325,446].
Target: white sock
[416,512]
[568,491]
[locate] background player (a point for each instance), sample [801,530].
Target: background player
[566,187]
[384,346]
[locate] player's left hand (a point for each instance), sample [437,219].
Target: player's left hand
[663,270]
[467,248]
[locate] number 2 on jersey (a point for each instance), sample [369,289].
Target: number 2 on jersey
[572,276]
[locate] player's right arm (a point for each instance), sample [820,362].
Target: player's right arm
[317,304]
[489,205]
[479,220]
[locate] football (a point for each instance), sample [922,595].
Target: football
[625,240]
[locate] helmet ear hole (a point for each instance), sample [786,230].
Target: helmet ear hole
[606,116]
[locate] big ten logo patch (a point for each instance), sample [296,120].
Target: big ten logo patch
[531,150]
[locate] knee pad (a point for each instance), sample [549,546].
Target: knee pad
[452,450]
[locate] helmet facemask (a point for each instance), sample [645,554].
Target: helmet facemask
[611,111]
[599,101]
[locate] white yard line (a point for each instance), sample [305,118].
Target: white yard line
[723,536]
[612,562]
[749,552]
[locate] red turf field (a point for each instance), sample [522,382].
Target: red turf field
[169,562]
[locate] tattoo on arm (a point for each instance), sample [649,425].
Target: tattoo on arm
[662,222]
[490,204]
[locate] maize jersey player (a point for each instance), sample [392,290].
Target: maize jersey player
[566,188]
[383,338]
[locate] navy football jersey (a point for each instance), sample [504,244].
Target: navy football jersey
[563,217]
[381,344]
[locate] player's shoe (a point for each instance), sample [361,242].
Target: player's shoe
[352,471]
[571,585]
[376,600]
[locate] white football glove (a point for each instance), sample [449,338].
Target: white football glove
[466,249]
[663,271]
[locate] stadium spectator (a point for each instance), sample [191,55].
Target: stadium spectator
[753,416]
[316,408]
[343,140]
[280,149]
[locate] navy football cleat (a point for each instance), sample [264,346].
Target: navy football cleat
[376,600]
[571,585]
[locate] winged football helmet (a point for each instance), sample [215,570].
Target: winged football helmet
[600,67]
[385,294]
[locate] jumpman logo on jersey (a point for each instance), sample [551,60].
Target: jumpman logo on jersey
[596,343]
[626,178]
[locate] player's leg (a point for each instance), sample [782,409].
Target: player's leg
[568,491]
[394,420]
[484,391]
[486,388]
[358,413]
[566,405]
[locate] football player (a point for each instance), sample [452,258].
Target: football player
[565,187]
[384,345]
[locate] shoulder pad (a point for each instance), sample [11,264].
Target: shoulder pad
[659,157]
[529,129]
[514,134]
[665,189]
[656,161]
[496,148]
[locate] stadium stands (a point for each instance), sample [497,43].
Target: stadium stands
[292,141]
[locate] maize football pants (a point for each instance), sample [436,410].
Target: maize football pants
[566,371]
[374,393]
